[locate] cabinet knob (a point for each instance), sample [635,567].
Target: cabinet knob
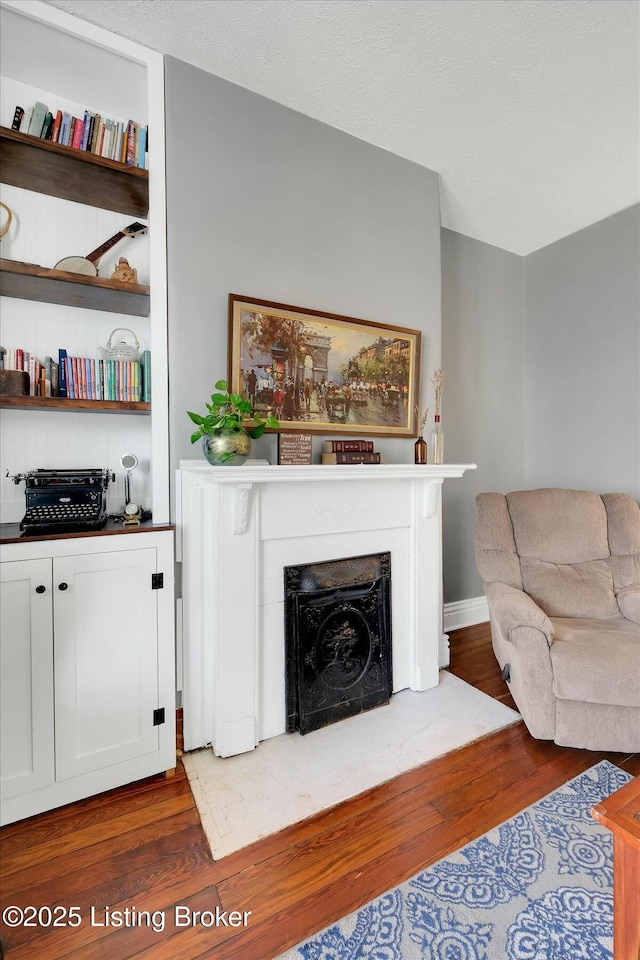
[41,588]
[63,586]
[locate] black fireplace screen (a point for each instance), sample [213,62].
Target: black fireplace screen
[337,639]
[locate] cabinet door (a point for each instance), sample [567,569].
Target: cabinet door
[106,659]
[26,677]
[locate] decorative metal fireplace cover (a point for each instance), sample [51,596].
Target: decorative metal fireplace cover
[337,639]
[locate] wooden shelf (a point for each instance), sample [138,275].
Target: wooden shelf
[28,281]
[49,168]
[78,406]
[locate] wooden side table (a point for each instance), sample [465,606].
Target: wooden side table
[621,814]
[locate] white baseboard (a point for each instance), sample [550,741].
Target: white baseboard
[465,613]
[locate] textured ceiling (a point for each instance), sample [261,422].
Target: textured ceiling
[528,109]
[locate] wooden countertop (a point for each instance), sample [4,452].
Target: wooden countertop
[10,532]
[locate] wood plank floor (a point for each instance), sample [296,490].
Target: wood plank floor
[142,847]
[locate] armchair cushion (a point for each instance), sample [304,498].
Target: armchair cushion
[596,661]
[571,589]
[562,542]
[629,602]
[513,609]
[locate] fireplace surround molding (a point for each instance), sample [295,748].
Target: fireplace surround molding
[239,527]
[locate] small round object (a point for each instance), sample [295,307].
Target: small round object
[131,509]
[40,588]
[63,586]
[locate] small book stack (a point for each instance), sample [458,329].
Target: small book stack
[350,451]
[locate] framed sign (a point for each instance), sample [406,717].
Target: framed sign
[294,447]
[321,372]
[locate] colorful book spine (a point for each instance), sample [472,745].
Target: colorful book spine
[130,157]
[38,116]
[77,134]
[142,149]
[351,458]
[145,373]
[55,133]
[71,392]
[17,118]
[62,364]
[348,446]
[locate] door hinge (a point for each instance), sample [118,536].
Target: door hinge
[157,581]
[178,580]
[158,717]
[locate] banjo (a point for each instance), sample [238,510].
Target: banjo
[89,265]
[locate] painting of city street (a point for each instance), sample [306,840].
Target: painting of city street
[324,373]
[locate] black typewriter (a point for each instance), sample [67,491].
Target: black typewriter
[64,501]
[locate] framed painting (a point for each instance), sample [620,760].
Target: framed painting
[321,372]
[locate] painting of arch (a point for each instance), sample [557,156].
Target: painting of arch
[322,372]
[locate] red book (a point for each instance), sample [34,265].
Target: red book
[348,446]
[77,134]
[56,127]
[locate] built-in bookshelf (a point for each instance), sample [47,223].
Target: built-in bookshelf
[65,201]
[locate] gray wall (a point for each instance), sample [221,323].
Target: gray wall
[582,359]
[482,356]
[542,362]
[268,203]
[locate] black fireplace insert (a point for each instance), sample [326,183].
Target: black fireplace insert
[337,639]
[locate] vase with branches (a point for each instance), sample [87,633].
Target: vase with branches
[437,434]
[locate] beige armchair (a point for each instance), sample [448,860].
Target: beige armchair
[562,579]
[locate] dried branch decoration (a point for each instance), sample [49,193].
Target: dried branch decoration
[421,419]
[438,381]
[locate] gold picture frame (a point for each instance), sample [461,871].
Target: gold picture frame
[322,372]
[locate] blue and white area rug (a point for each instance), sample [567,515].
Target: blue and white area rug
[538,887]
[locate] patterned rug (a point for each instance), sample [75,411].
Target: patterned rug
[538,887]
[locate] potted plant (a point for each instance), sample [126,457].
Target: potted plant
[228,427]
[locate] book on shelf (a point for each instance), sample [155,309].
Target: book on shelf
[77,134]
[47,127]
[17,118]
[51,377]
[38,116]
[348,446]
[351,457]
[55,133]
[145,376]
[62,373]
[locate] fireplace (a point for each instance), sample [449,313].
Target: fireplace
[240,527]
[337,639]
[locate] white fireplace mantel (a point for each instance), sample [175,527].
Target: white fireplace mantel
[238,527]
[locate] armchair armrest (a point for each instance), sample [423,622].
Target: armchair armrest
[629,602]
[515,609]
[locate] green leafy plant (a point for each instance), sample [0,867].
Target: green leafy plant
[228,413]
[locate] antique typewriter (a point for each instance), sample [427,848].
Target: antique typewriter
[64,501]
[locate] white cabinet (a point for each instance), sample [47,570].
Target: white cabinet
[88,684]
[26,677]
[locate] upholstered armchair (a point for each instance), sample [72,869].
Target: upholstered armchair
[561,571]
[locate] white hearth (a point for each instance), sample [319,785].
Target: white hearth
[238,527]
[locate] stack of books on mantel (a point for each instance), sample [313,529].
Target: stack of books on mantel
[350,451]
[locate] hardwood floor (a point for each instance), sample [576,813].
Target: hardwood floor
[141,848]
